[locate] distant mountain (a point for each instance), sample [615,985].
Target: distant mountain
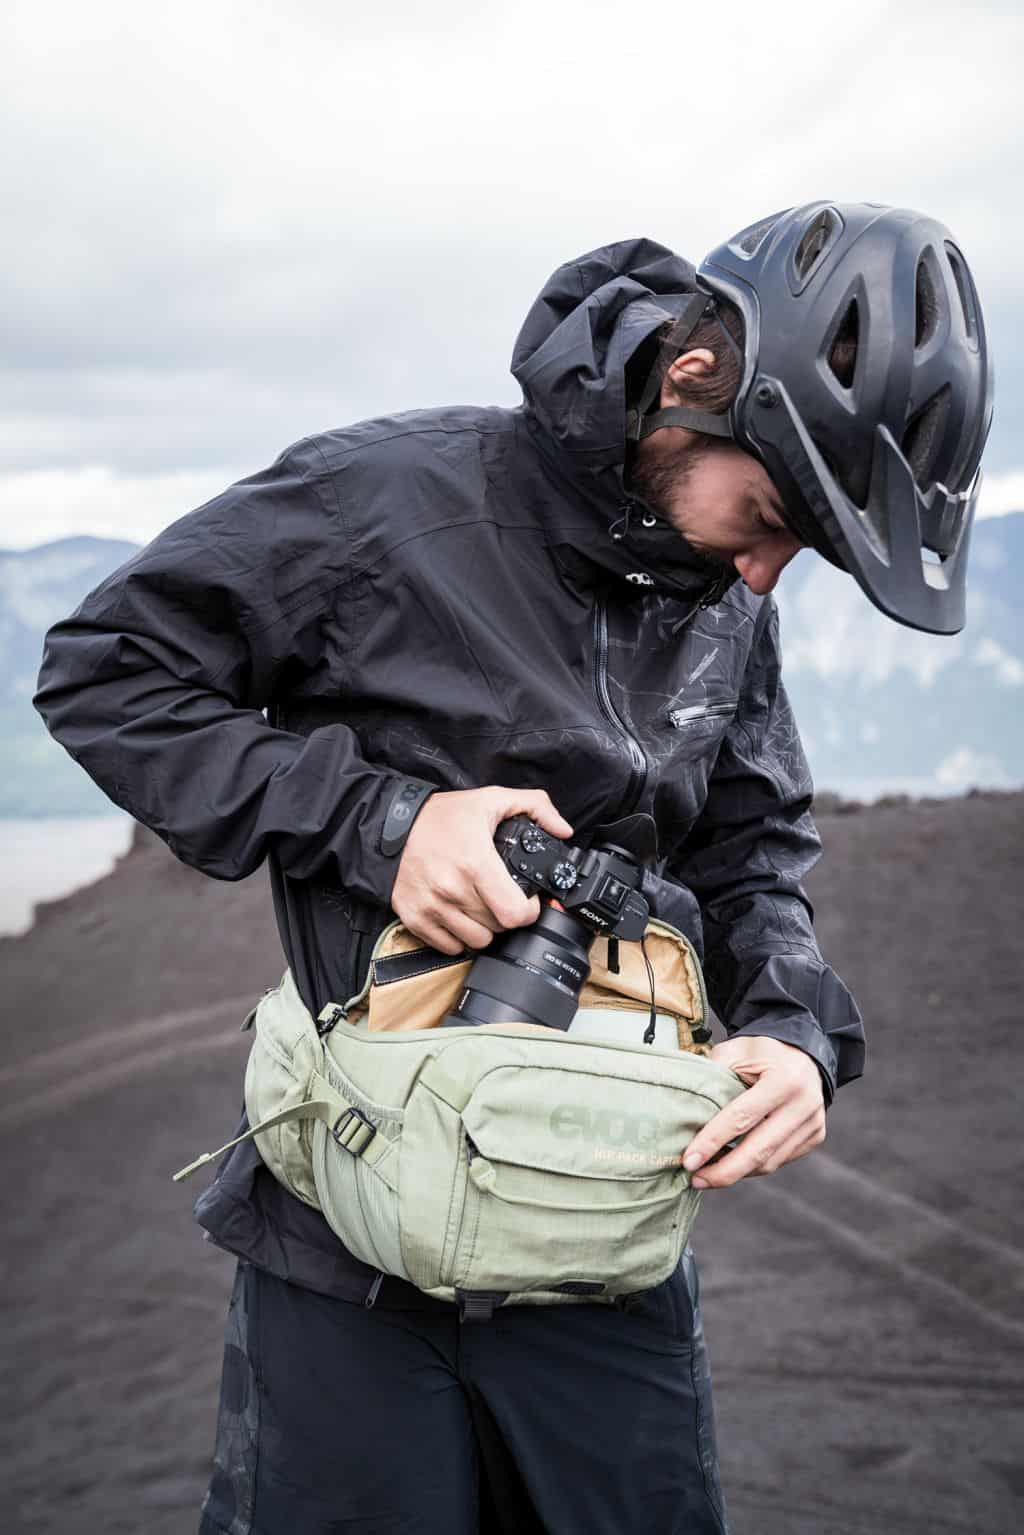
[37,587]
[881,708]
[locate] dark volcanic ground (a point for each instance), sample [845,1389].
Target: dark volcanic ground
[864,1307]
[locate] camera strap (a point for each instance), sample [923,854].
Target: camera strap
[649,1032]
[614,969]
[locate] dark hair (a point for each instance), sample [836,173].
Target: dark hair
[715,391]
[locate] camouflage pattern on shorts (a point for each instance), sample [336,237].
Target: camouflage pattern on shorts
[229,1504]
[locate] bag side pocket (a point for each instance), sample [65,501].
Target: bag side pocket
[285,1053]
[359,1197]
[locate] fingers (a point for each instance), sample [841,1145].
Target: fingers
[761,1156]
[453,889]
[532,802]
[499,898]
[495,888]
[452,932]
[778,1136]
[797,1146]
[450,915]
[780,1117]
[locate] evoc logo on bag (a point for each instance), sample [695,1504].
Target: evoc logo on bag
[616,1135]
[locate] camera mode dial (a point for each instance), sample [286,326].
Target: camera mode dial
[534,840]
[564,876]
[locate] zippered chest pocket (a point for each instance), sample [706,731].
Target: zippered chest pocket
[698,717]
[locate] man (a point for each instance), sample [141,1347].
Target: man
[455,615]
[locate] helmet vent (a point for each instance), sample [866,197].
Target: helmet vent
[755,234]
[842,356]
[965,288]
[852,477]
[817,238]
[924,435]
[926,303]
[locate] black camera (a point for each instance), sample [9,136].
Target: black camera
[535,974]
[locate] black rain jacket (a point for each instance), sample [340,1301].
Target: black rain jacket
[437,600]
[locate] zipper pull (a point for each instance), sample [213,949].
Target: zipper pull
[717,589]
[328,1017]
[373,1292]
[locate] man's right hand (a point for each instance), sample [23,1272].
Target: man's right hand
[453,889]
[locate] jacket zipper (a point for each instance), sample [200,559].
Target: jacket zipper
[637,757]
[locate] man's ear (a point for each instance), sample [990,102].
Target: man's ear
[696,364]
[689,365]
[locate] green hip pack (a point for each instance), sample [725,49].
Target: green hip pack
[502,1162]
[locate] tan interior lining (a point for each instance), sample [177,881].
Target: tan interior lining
[420,1002]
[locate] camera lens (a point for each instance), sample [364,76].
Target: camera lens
[529,975]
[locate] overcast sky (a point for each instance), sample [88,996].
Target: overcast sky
[230,225]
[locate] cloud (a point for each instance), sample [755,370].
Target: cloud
[1001,493]
[47,504]
[859,645]
[964,768]
[1007,668]
[235,229]
[233,225]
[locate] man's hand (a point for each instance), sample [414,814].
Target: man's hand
[453,889]
[781,1116]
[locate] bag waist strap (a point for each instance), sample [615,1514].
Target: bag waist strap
[347,1125]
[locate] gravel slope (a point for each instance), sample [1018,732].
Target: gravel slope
[863,1307]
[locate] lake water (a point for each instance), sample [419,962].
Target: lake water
[44,859]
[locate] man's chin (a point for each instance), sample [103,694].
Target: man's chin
[717,564]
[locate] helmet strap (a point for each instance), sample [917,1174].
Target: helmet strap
[711,424]
[642,421]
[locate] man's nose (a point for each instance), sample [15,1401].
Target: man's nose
[762,566]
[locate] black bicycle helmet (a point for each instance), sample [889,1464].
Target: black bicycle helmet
[866,392]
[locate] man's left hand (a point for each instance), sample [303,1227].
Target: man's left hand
[781,1116]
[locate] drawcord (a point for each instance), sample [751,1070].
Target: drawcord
[719,585]
[653,1024]
[625,512]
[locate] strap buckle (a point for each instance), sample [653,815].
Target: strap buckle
[479,1305]
[328,1017]
[353,1131]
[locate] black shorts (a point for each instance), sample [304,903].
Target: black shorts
[545,1420]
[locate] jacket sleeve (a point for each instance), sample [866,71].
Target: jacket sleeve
[157,683]
[744,859]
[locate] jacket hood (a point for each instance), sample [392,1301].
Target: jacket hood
[570,360]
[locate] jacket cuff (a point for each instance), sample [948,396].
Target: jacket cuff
[798,999]
[408,797]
